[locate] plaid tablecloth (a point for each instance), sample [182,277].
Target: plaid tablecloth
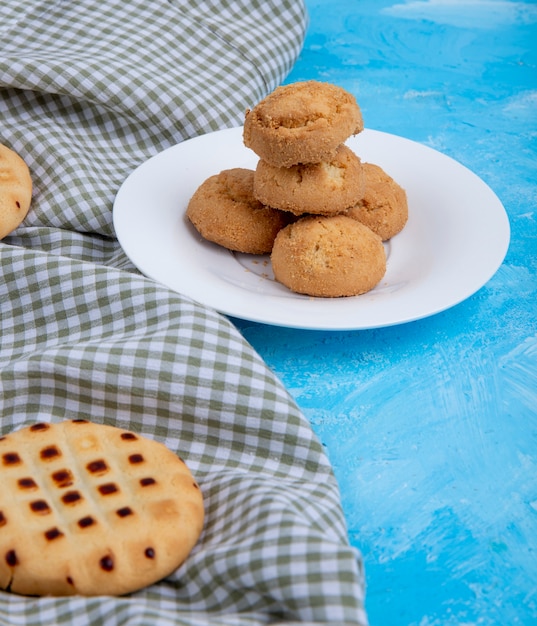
[89,90]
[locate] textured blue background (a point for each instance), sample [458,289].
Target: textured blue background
[432,426]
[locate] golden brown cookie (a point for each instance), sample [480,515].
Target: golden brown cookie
[15,190]
[328,257]
[224,210]
[91,509]
[302,122]
[324,188]
[383,207]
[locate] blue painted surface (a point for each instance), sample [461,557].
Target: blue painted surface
[432,426]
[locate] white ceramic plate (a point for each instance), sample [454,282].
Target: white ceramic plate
[456,237]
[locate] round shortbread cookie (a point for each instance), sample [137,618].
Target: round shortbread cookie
[15,190]
[383,206]
[302,122]
[328,257]
[91,509]
[325,188]
[224,210]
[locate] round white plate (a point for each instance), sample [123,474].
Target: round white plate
[456,237]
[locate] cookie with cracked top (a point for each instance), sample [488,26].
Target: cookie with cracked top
[325,188]
[328,256]
[302,122]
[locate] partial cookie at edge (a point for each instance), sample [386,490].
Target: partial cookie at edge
[15,190]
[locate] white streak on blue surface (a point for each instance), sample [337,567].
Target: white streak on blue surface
[523,100]
[464,14]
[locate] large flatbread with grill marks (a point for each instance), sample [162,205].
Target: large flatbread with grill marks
[92,509]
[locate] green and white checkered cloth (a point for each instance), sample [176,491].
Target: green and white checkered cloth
[88,91]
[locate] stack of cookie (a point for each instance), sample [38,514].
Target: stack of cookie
[323,214]
[335,247]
